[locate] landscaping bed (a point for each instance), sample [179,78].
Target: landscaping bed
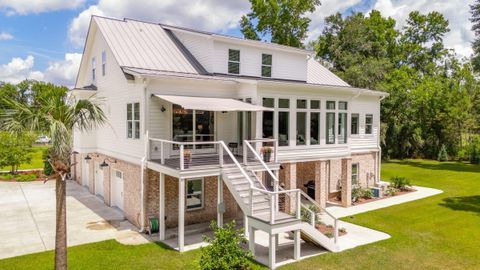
[27,176]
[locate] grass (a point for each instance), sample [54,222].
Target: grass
[37,161]
[440,232]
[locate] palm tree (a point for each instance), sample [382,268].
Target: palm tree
[54,112]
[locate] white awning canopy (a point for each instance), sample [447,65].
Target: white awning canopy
[212,104]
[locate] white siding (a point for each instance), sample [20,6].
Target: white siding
[201,47]
[291,66]
[363,106]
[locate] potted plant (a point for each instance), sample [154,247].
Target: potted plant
[187,158]
[267,153]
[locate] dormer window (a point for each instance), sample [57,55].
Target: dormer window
[266,65]
[233,61]
[104,62]
[93,68]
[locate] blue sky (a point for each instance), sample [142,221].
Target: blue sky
[43,39]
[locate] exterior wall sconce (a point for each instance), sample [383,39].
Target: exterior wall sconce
[163,109]
[87,158]
[105,164]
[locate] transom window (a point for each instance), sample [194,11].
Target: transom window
[104,62]
[266,65]
[368,123]
[133,120]
[233,61]
[194,194]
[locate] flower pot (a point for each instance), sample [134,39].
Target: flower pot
[267,156]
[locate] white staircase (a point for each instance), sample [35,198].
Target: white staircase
[263,205]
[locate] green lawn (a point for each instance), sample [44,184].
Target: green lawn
[37,161]
[440,232]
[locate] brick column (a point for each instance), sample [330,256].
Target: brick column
[289,177]
[346,182]
[321,183]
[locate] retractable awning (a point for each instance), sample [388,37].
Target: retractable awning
[212,104]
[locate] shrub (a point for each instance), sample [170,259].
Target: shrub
[475,156]
[391,191]
[47,167]
[400,183]
[6,176]
[26,177]
[367,193]
[442,154]
[225,250]
[358,192]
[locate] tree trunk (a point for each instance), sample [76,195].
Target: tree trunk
[61,225]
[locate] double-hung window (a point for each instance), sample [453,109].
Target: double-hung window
[233,61]
[342,122]
[94,67]
[266,65]
[194,193]
[330,122]
[354,124]
[368,123]
[133,120]
[104,62]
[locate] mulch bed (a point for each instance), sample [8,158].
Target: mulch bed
[328,229]
[398,193]
[40,176]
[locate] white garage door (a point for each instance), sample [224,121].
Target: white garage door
[85,173]
[98,180]
[117,189]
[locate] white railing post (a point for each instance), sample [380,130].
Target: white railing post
[251,202]
[275,189]
[182,161]
[336,231]
[298,206]
[162,153]
[312,218]
[220,156]
[275,151]
[272,209]
[245,159]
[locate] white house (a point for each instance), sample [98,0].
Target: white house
[203,127]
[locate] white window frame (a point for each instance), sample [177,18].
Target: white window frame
[202,194]
[366,124]
[236,62]
[358,124]
[94,69]
[357,174]
[311,110]
[307,112]
[345,111]
[104,62]
[265,65]
[133,121]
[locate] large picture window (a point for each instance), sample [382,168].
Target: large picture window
[193,126]
[133,120]
[194,194]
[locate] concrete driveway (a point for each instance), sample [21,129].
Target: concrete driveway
[27,218]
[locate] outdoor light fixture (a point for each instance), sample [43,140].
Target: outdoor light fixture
[74,153]
[88,157]
[105,164]
[163,109]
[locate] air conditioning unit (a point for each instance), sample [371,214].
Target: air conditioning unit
[377,192]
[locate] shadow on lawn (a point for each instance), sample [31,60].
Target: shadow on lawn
[443,166]
[470,203]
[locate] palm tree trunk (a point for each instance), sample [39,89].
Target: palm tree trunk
[61,225]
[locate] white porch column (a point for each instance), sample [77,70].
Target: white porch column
[271,251]
[220,204]
[181,214]
[251,240]
[296,245]
[161,207]
[245,225]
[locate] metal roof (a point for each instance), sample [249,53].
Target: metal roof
[143,45]
[318,74]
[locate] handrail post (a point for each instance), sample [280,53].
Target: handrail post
[182,161]
[220,156]
[336,231]
[162,153]
[272,209]
[251,202]
[245,152]
[275,158]
[298,204]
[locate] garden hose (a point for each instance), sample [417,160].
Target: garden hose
[154,226]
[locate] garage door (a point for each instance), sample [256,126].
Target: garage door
[117,189]
[98,180]
[85,173]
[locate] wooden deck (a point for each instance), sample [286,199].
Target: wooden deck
[201,161]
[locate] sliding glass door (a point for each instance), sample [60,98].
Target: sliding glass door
[193,126]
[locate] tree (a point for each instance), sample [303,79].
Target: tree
[53,112]
[475,19]
[283,20]
[15,149]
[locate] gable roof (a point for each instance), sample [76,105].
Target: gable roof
[318,74]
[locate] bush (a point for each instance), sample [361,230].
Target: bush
[367,193]
[6,176]
[47,168]
[225,250]
[400,183]
[391,191]
[442,154]
[358,192]
[26,177]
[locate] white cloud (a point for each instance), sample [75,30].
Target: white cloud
[62,72]
[5,36]
[23,7]
[210,15]
[456,12]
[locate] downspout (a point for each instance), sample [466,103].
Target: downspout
[379,153]
[144,158]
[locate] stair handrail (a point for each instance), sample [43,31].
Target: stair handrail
[261,161]
[258,180]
